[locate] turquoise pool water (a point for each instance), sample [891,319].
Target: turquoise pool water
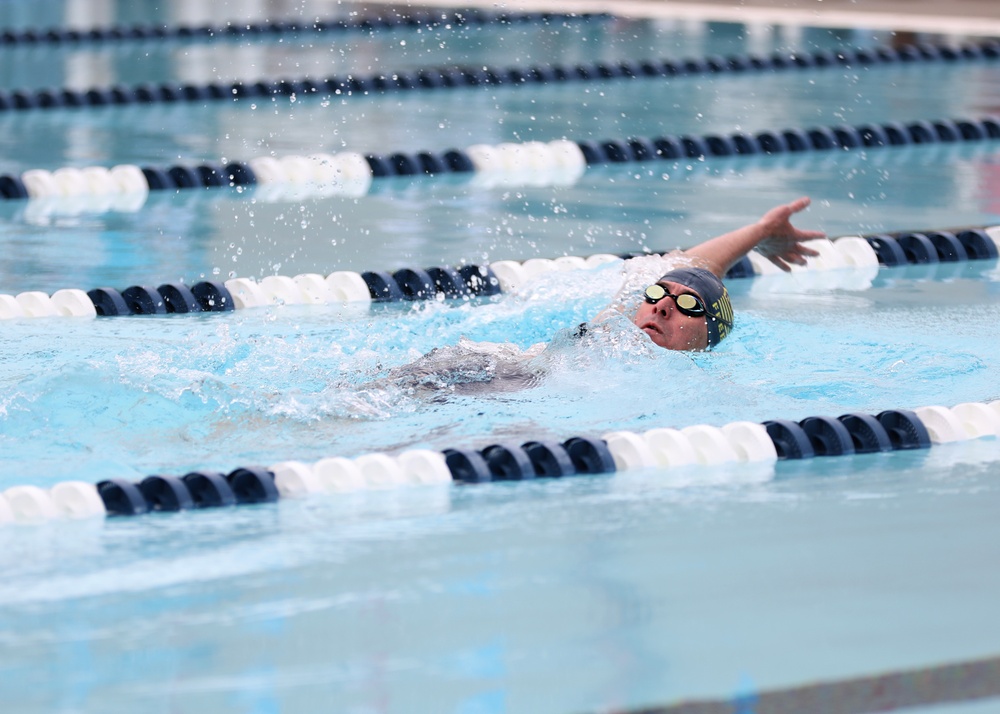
[574,596]
[584,595]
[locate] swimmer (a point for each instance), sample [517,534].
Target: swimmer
[688,308]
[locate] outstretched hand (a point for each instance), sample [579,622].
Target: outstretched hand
[783,242]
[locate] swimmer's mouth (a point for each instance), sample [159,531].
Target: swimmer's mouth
[650,328]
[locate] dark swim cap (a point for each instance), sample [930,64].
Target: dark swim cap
[713,292]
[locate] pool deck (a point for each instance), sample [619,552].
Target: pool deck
[947,17]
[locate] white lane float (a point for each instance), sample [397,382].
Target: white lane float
[750,441]
[10,308]
[486,158]
[533,267]
[629,450]
[570,163]
[424,466]
[380,470]
[670,447]
[100,182]
[71,182]
[324,170]
[570,262]
[77,499]
[40,183]
[356,172]
[268,170]
[297,169]
[36,304]
[295,479]
[339,474]
[510,273]
[348,286]
[942,424]
[30,504]
[314,288]
[71,302]
[977,419]
[129,179]
[829,257]
[856,252]
[246,293]
[282,290]
[710,445]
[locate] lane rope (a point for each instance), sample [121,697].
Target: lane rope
[848,262]
[459,77]
[558,162]
[414,18]
[703,445]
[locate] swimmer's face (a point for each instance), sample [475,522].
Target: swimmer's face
[668,327]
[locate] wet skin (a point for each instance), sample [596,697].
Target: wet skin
[667,327]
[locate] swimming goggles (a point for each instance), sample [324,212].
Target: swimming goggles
[687,303]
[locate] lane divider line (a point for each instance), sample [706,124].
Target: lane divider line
[845,262]
[415,18]
[438,79]
[557,162]
[691,447]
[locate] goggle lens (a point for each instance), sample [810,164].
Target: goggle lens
[687,304]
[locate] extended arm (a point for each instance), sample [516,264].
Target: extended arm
[773,236]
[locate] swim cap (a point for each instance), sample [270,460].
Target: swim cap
[713,292]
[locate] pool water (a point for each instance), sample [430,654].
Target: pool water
[306,382]
[569,596]
[590,594]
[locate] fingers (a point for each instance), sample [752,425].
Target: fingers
[811,235]
[780,263]
[800,204]
[795,255]
[804,250]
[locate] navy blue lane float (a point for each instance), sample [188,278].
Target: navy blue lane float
[848,434]
[166,299]
[836,138]
[369,21]
[946,246]
[199,489]
[533,459]
[457,77]
[811,437]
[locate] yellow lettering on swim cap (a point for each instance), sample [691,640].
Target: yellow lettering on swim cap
[723,310]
